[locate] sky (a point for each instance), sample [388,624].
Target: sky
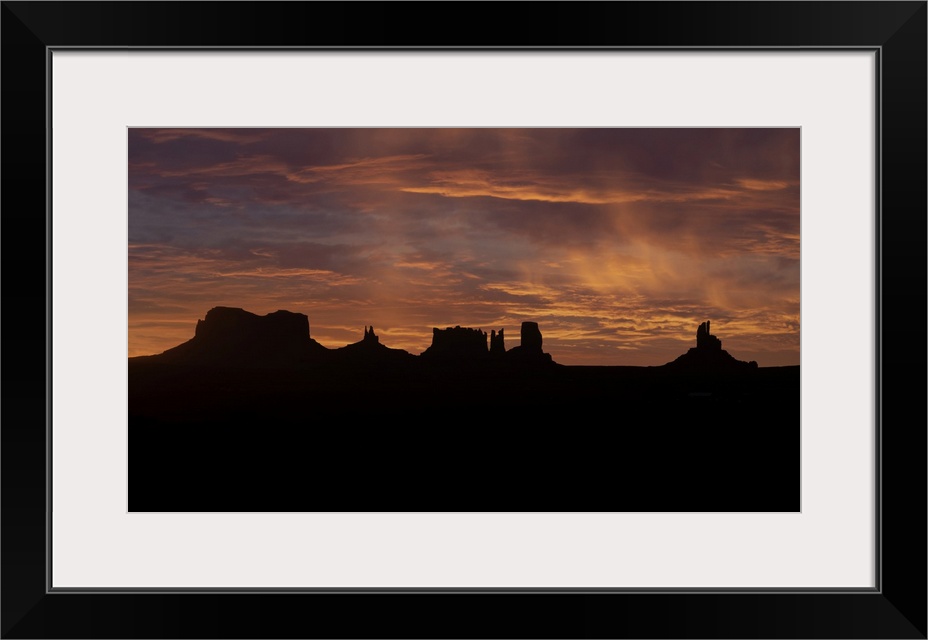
[618,242]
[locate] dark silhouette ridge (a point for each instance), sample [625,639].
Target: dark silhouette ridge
[479,432]
[234,336]
[708,355]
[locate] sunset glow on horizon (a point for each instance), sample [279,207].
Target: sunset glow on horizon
[617,242]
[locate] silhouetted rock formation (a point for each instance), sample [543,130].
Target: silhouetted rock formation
[457,342]
[233,437]
[706,341]
[234,336]
[497,344]
[708,355]
[531,336]
[530,349]
[370,351]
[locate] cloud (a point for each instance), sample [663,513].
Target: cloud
[763,185]
[382,169]
[471,183]
[239,136]
[330,278]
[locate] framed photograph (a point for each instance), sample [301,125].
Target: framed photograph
[576,332]
[592,256]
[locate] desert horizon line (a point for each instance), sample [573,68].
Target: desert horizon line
[495,337]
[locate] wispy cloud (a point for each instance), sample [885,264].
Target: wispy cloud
[239,136]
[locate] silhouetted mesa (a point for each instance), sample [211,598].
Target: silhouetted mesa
[234,336]
[530,349]
[708,355]
[464,344]
[457,343]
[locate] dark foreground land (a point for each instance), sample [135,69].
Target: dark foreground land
[461,438]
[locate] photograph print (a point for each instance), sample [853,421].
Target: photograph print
[464,319]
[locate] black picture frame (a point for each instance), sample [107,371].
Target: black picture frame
[895,30]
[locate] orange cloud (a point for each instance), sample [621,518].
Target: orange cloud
[470,183]
[763,185]
[160,136]
[319,275]
[364,170]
